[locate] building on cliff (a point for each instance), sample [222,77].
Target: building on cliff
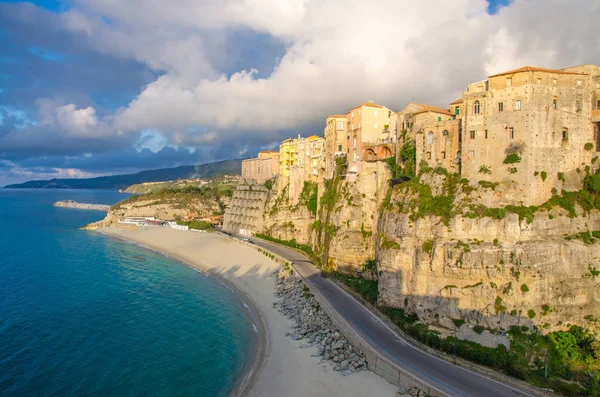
[369,135]
[528,128]
[336,142]
[265,166]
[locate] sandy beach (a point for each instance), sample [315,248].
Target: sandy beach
[287,369]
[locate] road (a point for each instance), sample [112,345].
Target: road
[453,380]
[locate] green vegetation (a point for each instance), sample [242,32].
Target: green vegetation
[484,169]
[367,289]
[531,313]
[524,288]
[198,225]
[188,197]
[479,329]
[488,184]
[544,175]
[545,309]
[427,247]
[289,243]
[308,197]
[512,158]
[387,244]
[268,184]
[588,236]
[561,176]
[588,146]
[458,322]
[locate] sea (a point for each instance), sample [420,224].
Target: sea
[82,314]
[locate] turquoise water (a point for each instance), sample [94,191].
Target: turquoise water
[85,315]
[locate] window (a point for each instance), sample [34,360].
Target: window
[340,125]
[472,134]
[339,148]
[539,81]
[445,133]
[578,106]
[511,133]
[486,134]
[444,155]
[578,83]
[375,113]
[428,155]
[476,107]
[598,104]
[359,111]
[554,81]
[430,138]
[354,142]
[554,104]
[501,106]
[375,125]
[509,82]
[439,118]
[565,134]
[471,153]
[457,110]
[352,114]
[352,127]
[518,104]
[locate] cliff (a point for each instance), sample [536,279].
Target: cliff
[446,258]
[167,205]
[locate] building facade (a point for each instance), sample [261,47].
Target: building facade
[336,142]
[265,166]
[541,118]
[368,123]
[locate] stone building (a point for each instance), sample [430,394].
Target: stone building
[542,116]
[265,166]
[438,144]
[336,142]
[288,156]
[368,123]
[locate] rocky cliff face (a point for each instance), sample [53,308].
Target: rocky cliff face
[493,272]
[355,217]
[286,217]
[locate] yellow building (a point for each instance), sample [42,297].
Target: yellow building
[288,156]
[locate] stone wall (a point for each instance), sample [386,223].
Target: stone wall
[245,212]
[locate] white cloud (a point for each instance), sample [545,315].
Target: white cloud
[339,54]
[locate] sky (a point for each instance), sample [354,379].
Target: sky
[91,88]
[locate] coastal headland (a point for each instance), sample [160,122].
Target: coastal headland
[285,367]
[82,206]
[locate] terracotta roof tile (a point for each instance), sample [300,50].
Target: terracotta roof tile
[428,108]
[457,101]
[369,104]
[534,69]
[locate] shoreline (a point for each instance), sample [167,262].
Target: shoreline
[282,366]
[255,357]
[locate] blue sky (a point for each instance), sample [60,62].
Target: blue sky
[90,88]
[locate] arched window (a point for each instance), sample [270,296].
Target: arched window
[430,138]
[444,155]
[445,133]
[476,107]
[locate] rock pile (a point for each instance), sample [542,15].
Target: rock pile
[313,325]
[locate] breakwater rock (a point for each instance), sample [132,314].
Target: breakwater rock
[314,326]
[82,206]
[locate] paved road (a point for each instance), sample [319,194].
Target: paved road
[455,381]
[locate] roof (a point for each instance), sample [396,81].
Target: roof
[269,151]
[337,116]
[369,104]
[428,108]
[460,100]
[534,69]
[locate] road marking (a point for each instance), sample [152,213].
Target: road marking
[422,351]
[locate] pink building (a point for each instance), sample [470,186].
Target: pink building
[261,168]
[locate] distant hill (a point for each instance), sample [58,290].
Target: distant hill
[115,182]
